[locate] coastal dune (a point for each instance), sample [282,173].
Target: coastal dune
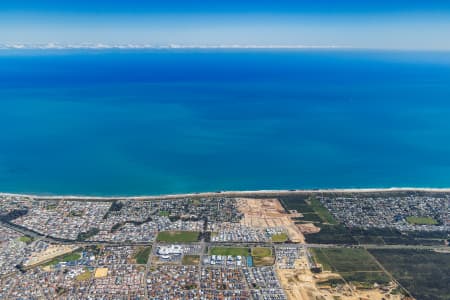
[229,193]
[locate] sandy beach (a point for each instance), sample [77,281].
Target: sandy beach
[229,193]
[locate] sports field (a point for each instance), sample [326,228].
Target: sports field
[233,251]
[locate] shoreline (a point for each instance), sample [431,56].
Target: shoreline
[228,193]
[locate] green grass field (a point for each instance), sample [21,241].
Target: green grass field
[421,221]
[262,256]
[261,251]
[321,211]
[142,255]
[190,260]
[86,275]
[353,264]
[178,236]
[64,258]
[280,238]
[164,213]
[310,207]
[26,239]
[233,251]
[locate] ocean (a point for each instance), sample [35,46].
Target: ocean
[175,121]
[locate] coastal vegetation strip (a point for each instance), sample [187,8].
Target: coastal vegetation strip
[255,193]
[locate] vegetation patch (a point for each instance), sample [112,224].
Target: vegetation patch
[391,236]
[51,206]
[86,275]
[76,213]
[178,236]
[321,211]
[332,282]
[26,239]
[115,206]
[262,256]
[261,251]
[82,236]
[164,213]
[310,207]
[332,232]
[280,238]
[424,273]
[191,260]
[74,256]
[116,227]
[308,218]
[233,251]
[355,265]
[320,258]
[421,220]
[141,256]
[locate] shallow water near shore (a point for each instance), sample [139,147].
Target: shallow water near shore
[164,122]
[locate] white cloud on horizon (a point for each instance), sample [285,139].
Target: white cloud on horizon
[101,46]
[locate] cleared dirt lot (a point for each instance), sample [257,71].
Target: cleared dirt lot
[51,252]
[265,213]
[301,284]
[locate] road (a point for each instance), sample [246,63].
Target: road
[204,244]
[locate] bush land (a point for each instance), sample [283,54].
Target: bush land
[353,264]
[424,273]
[142,255]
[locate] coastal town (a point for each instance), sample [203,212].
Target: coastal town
[208,246]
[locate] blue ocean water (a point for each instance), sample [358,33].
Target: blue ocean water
[172,121]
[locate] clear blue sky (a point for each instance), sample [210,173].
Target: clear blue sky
[368,24]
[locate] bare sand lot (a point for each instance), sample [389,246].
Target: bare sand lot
[308,228]
[51,252]
[265,213]
[301,284]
